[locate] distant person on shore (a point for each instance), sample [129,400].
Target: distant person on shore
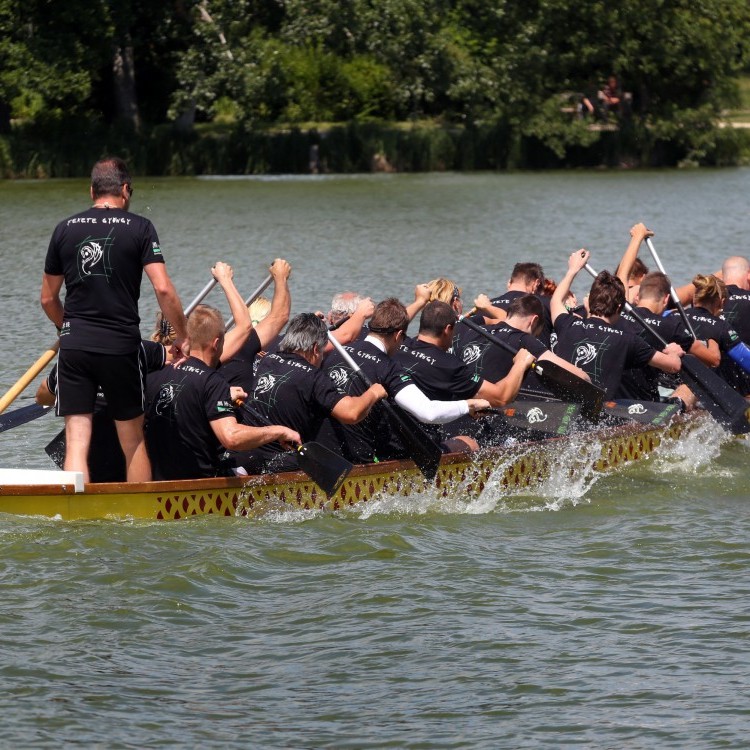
[100,256]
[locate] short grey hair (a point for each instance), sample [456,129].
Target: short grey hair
[303,332]
[343,305]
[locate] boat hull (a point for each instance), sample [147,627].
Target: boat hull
[518,467]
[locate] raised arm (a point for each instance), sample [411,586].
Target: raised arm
[171,307]
[638,233]
[421,298]
[492,315]
[281,304]
[576,262]
[350,329]
[224,274]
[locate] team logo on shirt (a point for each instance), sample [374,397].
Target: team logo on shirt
[584,354]
[471,354]
[553,340]
[93,257]
[340,377]
[166,397]
[265,384]
[535,415]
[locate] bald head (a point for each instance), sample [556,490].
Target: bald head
[735,271]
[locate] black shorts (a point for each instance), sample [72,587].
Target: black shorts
[119,377]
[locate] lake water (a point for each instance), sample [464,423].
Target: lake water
[599,612]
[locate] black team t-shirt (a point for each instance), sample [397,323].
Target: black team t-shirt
[643,382]
[503,302]
[599,349]
[737,311]
[102,253]
[438,374]
[289,391]
[240,370]
[372,438]
[182,403]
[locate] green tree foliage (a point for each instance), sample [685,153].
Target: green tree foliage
[469,62]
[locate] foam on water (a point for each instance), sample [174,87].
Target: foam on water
[694,452]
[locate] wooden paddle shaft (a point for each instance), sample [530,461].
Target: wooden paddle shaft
[28,376]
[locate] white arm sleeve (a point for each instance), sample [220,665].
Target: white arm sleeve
[411,399]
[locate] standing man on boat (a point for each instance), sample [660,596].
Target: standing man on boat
[100,256]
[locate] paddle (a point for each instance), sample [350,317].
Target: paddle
[28,376]
[327,469]
[672,291]
[422,449]
[643,412]
[560,381]
[25,414]
[551,417]
[249,301]
[718,398]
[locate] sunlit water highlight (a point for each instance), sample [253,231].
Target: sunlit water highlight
[598,610]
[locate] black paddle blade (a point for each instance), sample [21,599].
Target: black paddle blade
[327,469]
[643,412]
[56,448]
[716,396]
[568,386]
[25,414]
[553,418]
[422,449]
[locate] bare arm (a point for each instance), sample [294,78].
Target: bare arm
[353,409]
[668,360]
[234,339]
[549,356]
[241,437]
[50,298]
[505,390]
[708,353]
[638,233]
[171,307]
[421,298]
[492,315]
[281,304]
[349,330]
[576,262]
[43,396]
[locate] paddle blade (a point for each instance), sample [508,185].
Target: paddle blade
[553,418]
[716,396]
[643,412]
[327,469]
[25,414]
[568,386]
[56,448]
[422,449]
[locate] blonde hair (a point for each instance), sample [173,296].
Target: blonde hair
[443,290]
[259,309]
[164,333]
[709,290]
[204,324]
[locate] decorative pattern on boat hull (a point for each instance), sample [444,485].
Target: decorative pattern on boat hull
[520,467]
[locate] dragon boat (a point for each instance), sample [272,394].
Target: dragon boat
[513,468]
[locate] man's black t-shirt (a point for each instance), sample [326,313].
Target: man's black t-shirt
[373,438]
[439,375]
[289,391]
[503,302]
[642,383]
[182,403]
[241,369]
[737,311]
[101,253]
[599,349]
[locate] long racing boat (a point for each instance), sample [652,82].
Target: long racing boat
[516,467]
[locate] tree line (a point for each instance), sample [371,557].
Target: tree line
[135,65]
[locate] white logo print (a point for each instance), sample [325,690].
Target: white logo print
[91,254]
[535,415]
[339,376]
[164,399]
[265,384]
[637,409]
[585,353]
[471,354]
